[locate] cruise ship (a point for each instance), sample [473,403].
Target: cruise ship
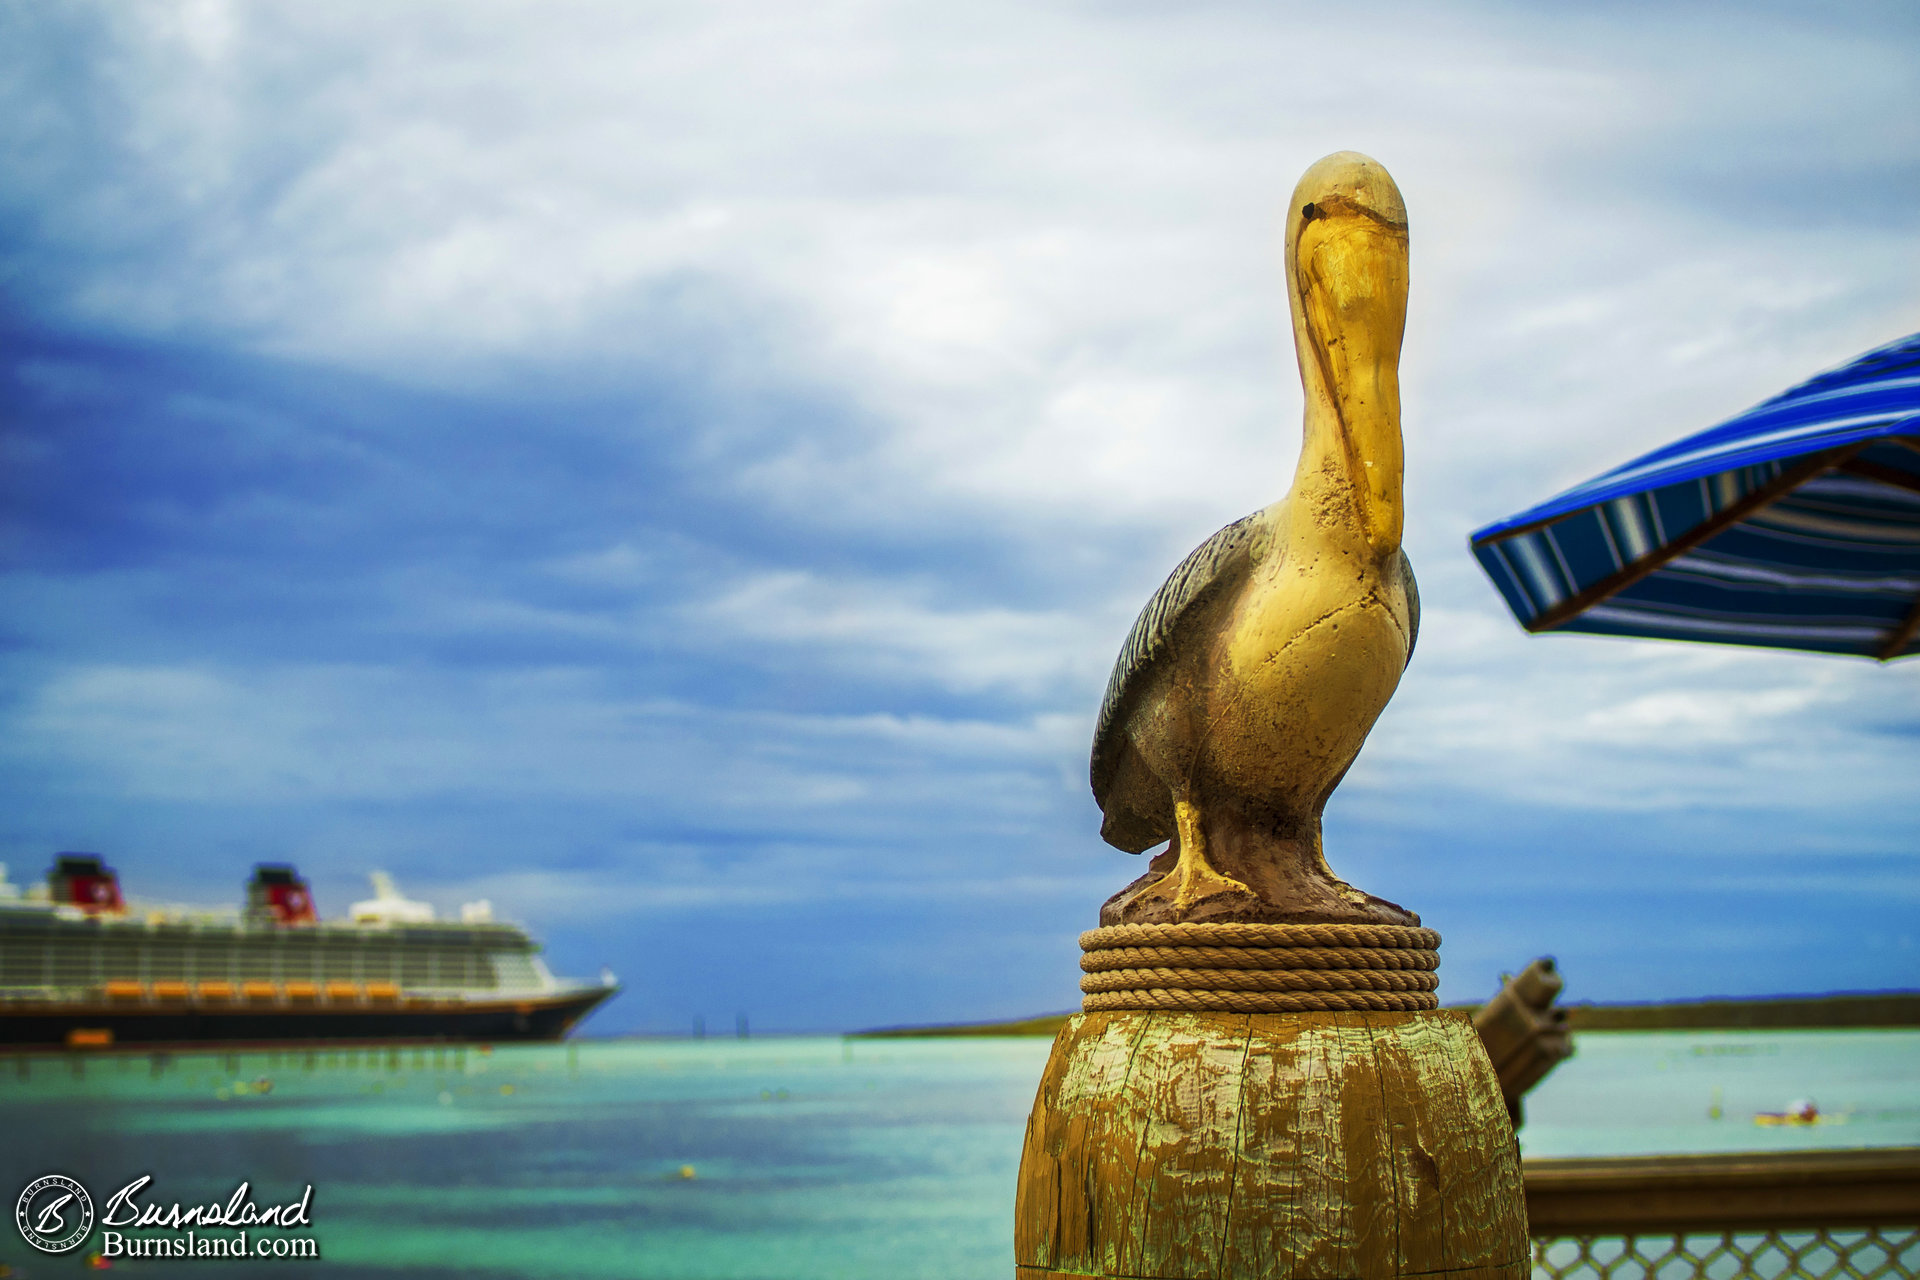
[82,967]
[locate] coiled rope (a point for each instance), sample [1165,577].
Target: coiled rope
[1259,968]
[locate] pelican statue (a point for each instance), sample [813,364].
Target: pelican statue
[1253,675]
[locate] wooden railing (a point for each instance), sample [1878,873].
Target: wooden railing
[1815,1214]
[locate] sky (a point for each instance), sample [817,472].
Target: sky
[683,472]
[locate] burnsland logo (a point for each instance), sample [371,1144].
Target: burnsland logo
[55,1215]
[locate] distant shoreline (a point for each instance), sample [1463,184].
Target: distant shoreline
[1840,1009]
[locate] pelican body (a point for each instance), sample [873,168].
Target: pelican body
[1253,676]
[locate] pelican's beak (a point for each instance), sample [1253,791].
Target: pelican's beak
[1347,272]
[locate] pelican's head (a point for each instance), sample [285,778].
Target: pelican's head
[1346,261]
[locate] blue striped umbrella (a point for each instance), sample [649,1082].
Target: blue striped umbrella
[1795,525]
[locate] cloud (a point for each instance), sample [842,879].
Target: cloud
[1638,726]
[357,733]
[656,441]
[864,624]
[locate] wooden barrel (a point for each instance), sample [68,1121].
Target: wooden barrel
[1191,1145]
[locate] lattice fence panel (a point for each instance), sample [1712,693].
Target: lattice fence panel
[1863,1253]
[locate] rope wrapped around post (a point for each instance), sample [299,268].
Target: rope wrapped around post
[1259,968]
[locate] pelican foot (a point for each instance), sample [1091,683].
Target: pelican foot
[1155,898]
[1185,895]
[1182,884]
[1233,869]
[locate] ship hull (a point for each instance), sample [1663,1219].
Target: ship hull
[29,1027]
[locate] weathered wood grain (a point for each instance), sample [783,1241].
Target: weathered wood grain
[1081,1095]
[1182,1145]
[1725,1191]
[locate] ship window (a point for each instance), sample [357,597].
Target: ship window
[299,960]
[254,961]
[120,959]
[337,961]
[215,962]
[74,963]
[380,964]
[514,970]
[23,962]
[417,967]
[166,959]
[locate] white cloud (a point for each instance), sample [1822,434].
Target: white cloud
[286,734]
[862,624]
[1594,724]
[1007,274]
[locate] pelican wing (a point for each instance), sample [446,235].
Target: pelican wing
[1153,631]
[1413,604]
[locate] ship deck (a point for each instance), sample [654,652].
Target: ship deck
[39,1025]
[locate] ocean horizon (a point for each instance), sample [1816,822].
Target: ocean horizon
[780,1157]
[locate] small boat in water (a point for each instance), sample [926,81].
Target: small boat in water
[82,967]
[1800,1111]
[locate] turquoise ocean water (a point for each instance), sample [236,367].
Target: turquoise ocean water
[779,1158]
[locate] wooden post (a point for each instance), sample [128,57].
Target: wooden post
[1524,1032]
[1269,1145]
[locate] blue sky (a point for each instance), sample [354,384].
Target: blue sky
[683,472]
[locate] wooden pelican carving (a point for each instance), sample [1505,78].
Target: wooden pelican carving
[1253,675]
